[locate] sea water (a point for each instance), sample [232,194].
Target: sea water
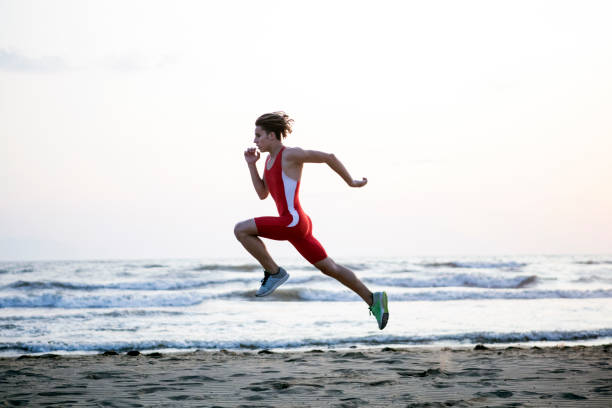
[186,304]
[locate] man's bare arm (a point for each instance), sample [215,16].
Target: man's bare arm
[313,156]
[251,156]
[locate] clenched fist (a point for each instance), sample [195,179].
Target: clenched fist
[251,155]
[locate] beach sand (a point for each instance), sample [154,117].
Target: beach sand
[403,377]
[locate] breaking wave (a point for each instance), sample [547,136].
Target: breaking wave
[158,284]
[305,295]
[465,280]
[190,298]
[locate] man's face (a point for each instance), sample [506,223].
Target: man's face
[262,139]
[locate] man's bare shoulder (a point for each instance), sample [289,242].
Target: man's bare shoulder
[294,153]
[297,154]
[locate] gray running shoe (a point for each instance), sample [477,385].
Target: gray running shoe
[270,282]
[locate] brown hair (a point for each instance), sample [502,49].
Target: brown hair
[277,122]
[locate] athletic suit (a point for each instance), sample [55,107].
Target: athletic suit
[292,224]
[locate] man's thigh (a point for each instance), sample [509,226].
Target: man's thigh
[276,228]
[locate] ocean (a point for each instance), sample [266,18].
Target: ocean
[83,307]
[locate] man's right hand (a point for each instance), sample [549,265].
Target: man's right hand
[251,155]
[358,183]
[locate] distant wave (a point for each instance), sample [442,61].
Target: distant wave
[96,313]
[233,268]
[357,266]
[16,270]
[476,265]
[466,280]
[159,284]
[133,299]
[184,298]
[49,285]
[371,340]
[593,278]
[591,262]
[254,267]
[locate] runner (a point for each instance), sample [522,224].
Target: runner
[281,179]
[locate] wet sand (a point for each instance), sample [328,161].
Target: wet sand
[404,377]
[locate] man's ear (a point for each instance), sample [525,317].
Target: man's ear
[273,134]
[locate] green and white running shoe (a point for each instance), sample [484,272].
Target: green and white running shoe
[380,309]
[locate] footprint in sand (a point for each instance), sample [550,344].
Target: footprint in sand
[355,354]
[334,392]
[605,390]
[382,382]
[572,396]
[352,402]
[430,372]
[496,393]
[199,378]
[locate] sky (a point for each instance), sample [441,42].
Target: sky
[483,127]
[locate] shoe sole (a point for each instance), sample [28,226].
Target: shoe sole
[280,282]
[385,316]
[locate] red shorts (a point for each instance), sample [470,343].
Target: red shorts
[300,236]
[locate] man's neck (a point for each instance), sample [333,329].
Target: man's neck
[274,151]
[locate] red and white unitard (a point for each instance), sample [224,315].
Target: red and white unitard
[292,224]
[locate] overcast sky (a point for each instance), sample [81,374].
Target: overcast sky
[484,127]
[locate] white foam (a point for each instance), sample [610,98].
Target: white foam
[38,346]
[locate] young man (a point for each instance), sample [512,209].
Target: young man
[281,179]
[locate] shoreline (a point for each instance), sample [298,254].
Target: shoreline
[408,376]
[606,341]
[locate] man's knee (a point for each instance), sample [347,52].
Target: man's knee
[328,267]
[243,229]
[239,230]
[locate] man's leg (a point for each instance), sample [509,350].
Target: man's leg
[246,233]
[346,277]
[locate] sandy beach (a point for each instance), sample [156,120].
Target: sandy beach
[407,377]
